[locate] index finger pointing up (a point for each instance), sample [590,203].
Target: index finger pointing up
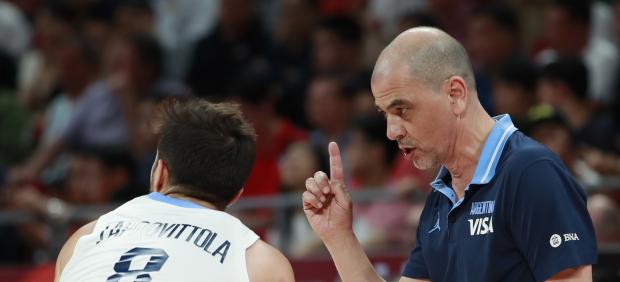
[335,163]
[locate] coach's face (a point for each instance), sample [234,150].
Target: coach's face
[418,116]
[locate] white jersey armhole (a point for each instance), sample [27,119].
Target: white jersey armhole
[77,251]
[252,238]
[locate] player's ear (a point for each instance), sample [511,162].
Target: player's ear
[236,197]
[160,175]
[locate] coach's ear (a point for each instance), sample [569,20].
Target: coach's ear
[236,197]
[160,175]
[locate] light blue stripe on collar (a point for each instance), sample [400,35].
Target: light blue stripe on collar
[492,150]
[489,157]
[173,201]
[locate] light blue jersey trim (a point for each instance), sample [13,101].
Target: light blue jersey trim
[489,157]
[173,201]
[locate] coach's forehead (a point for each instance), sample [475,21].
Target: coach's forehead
[394,65]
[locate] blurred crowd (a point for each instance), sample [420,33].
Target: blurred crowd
[80,81]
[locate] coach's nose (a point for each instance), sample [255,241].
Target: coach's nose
[395,129]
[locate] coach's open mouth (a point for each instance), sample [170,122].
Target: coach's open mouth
[407,152]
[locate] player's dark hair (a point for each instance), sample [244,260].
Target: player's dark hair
[578,10]
[571,72]
[209,148]
[373,128]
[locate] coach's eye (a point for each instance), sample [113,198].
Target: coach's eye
[402,111]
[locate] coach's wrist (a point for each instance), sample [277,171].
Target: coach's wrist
[339,238]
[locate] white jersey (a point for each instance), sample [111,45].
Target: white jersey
[159,238]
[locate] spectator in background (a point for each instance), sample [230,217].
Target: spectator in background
[78,66]
[134,73]
[567,33]
[291,56]
[179,25]
[369,158]
[605,217]
[37,79]
[553,132]
[14,30]
[97,176]
[493,41]
[97,118]
[616,20]
[237,42]
[564,85]
[273,133]
[514,91]
[390,15]
[451,16]
[415,19]
[294,233]
[337,46]
[134,17]
[328,107]
[98,25]
[255,93]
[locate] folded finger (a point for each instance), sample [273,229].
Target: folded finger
[310,201]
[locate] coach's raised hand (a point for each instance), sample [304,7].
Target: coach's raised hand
[326,203]
[328,208]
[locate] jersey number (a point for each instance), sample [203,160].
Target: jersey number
[157,258]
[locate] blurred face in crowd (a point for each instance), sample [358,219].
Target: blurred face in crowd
[129,20]
[616,8]
[418,116]
[326,105]
[74,71]
[489,44]
[97,31]
[51,30]
[328,51]
[298,162]
[512,99]
[556,137]
[361,154]
[297,20]
[122,59]
[90,182]
[550,92]
[559,29]
[119,57]
[236,14]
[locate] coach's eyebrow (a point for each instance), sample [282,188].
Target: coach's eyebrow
[397,103]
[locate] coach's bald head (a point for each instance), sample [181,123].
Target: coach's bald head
[424,84]
[430,55]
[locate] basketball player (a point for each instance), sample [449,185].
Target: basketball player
[503,207]
[179,231]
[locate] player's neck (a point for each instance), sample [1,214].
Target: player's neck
[177,195]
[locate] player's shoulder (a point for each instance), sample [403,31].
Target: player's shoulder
[67,250]
[266,263]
